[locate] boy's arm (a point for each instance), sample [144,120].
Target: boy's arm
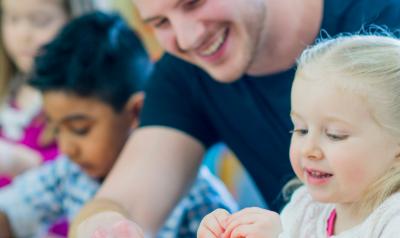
[32,200]
[155,168]
[5,227]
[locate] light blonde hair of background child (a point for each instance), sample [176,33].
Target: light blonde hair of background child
[368,66]
[73,8]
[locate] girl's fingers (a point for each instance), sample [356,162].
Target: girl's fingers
[213,225]
[242,231]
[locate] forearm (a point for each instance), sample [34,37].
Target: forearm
[5,227]
[150,178]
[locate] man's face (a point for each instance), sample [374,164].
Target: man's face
[220,36]
[89,131]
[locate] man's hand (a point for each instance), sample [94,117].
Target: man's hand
[109,225]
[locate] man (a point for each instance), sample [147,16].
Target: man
[226,77]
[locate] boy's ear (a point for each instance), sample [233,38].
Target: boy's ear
[134,107]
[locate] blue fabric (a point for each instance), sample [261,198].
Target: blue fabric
[58,189]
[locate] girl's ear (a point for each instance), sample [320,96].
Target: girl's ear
[134,107]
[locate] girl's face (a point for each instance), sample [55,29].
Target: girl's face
[27,25]
[338,149]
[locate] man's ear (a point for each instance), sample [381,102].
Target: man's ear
[134,107]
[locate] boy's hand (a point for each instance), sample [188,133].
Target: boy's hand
[213,225]
[253,222]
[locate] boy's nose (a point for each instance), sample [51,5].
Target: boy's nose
[68,148]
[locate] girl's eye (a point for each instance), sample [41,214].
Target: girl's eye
[10,18]
[336,137]
[300,132]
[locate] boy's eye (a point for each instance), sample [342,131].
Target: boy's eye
[300,132]
[80,131]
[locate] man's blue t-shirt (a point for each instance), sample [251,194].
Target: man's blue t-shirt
[250,115]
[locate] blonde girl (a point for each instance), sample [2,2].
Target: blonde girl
[345,147]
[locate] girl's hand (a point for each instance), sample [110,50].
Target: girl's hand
[213,225]
[253,222]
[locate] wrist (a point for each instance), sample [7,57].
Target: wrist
[114,212]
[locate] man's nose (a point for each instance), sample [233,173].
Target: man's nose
[189,33]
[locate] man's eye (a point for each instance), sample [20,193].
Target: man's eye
[191,4]
[161,23]
[300,132]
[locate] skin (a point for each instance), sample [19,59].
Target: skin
[249,32]
[249,222]
[27,25]
[89,131]
[5,227]
[258,39]
[343,141]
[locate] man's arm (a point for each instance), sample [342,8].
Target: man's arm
[155,168]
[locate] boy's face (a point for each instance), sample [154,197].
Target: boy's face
[89,131]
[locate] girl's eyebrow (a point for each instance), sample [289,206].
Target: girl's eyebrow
[294,114]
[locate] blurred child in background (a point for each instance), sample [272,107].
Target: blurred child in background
[25,26]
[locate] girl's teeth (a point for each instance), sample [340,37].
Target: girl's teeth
[319,174]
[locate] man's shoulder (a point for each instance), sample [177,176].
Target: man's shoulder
[169,61]
[357,16]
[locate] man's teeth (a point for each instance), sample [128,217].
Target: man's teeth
[214,46]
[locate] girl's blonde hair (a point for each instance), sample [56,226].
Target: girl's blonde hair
[368,66]
[73,8]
